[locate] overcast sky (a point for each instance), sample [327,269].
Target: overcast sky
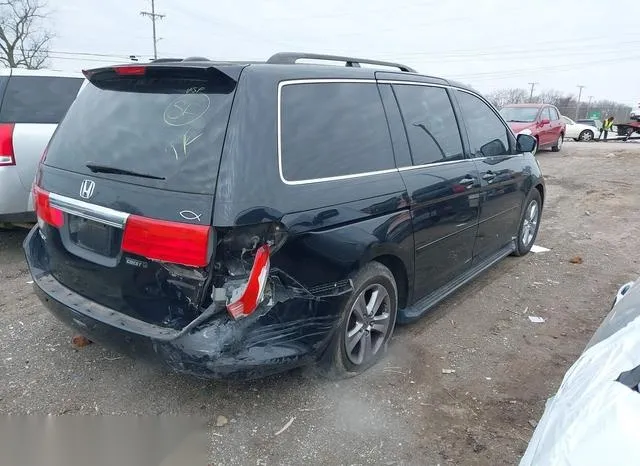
[489,44]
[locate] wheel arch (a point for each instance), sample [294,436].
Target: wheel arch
[399,271]
[540,188]
[397,260]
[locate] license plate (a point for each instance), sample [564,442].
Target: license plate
[91,235]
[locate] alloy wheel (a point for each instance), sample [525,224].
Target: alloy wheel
[368,324]
[530,223]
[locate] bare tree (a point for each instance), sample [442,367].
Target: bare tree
[549,97]
[503,97]
[24,39]
[566,104]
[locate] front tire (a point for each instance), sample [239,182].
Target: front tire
[529,223]
[586,135]
[558,144]
[367,321]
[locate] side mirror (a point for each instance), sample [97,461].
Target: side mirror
[493,148]
[526,143]
[544,122]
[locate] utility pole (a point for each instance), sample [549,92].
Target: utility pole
[154,16]
[589,105]
[531,94]
[579,96]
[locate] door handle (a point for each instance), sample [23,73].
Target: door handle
[489,176]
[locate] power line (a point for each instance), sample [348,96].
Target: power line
[98,60]
[92,54]
[154,16]
[496,53]
[525,71]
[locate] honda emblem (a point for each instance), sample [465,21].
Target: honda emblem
[86,189]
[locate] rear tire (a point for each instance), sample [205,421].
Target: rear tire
[558,144]
[364,330]
[529,223]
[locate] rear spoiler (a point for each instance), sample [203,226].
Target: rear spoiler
[165,77]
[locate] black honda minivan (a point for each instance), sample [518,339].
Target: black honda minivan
[240,219]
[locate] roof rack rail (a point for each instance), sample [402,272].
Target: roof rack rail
[164,60]
[196,59]
[290,58]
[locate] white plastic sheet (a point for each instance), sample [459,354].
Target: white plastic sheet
[593,420]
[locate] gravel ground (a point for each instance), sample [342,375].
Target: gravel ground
[406,410]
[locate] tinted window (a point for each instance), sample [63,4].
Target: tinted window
[333,129]
[163,125]
[589,122]
[554,114]
[38,99]
[487,133]
[430,123]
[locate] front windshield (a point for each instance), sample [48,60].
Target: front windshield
[519,114]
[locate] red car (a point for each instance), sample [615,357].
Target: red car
[541,121]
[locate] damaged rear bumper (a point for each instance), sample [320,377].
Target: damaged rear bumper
[289,334]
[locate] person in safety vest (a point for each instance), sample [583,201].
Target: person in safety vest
[606,127]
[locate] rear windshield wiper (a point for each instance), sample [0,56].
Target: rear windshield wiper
[95,168]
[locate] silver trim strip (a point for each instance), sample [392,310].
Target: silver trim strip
[416,83]
[97,213]
[281,84]
[449,86]
[436,164]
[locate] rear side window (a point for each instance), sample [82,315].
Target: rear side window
[430,123]
[333,129]
[487,133]
[38,99]
[168,124]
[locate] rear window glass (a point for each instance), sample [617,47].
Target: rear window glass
[333,129]
[38,99]
[168,126]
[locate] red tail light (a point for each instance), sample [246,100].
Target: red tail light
[7,156]
[44,211]
[130,70]
[178,243]
[253,292]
